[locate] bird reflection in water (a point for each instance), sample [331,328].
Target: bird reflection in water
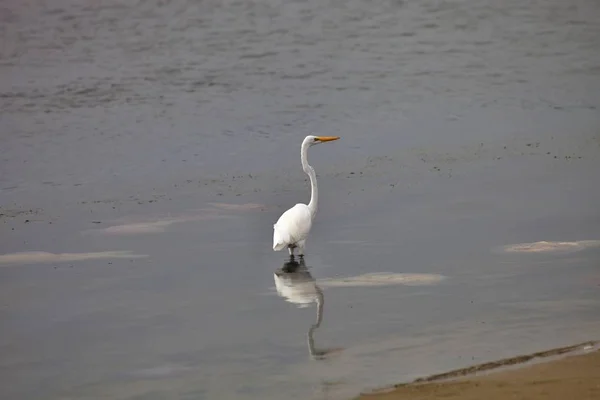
[296,285]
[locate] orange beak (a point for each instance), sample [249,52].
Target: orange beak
[327,138]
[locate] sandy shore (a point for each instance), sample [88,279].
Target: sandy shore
[574,376]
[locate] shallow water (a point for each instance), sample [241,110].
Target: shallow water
[467,129]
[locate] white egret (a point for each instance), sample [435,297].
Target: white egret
[292,228]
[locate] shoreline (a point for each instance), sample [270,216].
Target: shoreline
[547,374]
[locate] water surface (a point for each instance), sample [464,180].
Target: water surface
[148,147]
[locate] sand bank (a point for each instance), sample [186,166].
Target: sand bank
[575,375]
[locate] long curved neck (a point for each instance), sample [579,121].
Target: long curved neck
[314,190]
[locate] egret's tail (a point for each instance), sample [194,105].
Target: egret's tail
[279,243]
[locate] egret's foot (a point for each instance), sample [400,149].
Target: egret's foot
[301,262]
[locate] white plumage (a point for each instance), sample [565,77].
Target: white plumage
[293,227]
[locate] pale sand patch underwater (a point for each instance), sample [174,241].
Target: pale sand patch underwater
[550,247]
[36,257]
[383,279]
[300,288]
[130,226]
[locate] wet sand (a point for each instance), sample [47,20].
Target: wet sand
[569,377]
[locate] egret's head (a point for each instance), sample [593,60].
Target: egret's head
[311,140]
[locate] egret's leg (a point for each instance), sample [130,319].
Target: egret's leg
[301,246]
[291,250]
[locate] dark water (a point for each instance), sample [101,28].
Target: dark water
[466,126]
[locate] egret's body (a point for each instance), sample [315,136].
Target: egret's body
[292,228]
